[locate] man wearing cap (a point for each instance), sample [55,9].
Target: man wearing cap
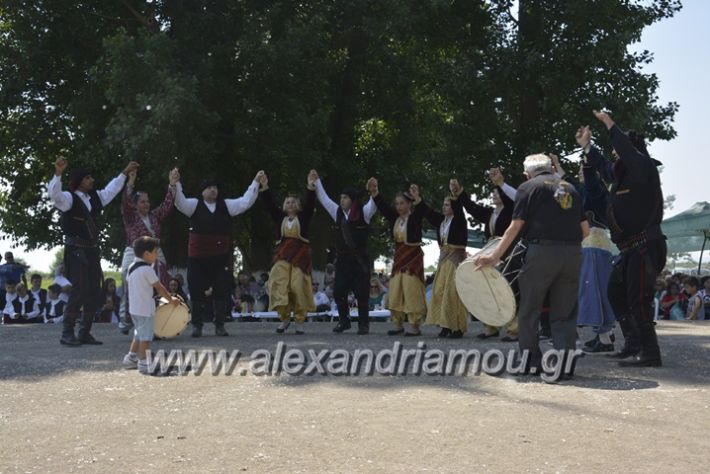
[635,213]
[352,267]
[209,254]
[81,207]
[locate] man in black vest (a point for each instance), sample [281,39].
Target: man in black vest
[635,213]
[81,206]
[209,262]
[352,267]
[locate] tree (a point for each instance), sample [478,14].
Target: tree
[406,91]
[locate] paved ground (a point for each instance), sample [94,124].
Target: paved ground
[74,410]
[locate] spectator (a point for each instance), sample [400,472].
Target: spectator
[109,311]
[25,307]
[11,270]
[695,310]
[377,293]
[660,292]
[247,291]
[175,289]
[705,283]
[64,284]
[321,300]
[8,298]
[54,308]
[672,303]
[329,277]
[39,293]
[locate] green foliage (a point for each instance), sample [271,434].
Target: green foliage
[405,91]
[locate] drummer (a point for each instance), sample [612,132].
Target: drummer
[142,280]
[495,220]
[549,214]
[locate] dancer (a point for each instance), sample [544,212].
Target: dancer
[635,215]
[445,308]
[138,221]
[81,207]
[495,221]
[352,266]
[209,255]
[290,285]
[405,297]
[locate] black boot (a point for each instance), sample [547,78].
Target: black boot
[363,318]
[197,331]
[85,329]
[343,325]
[632,341]
[221,311]
[220,331]
[68,338]
[650,355]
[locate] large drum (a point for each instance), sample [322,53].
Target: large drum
[170,320]
[491,294]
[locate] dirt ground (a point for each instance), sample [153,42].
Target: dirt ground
[76,410]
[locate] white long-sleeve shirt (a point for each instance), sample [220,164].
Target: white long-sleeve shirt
[234,206]
[368,210]
[63,200]
[23,302]
[8,308]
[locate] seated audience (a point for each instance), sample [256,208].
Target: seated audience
[54,307]
[108,313]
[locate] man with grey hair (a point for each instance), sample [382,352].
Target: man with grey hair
[549,214]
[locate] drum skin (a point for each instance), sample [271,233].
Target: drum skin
[170,320]
[486,293]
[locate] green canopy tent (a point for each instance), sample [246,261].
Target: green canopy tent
[689,231]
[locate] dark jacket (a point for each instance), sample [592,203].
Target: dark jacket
[414,222]
[483,213]
[278,215]
[458,229]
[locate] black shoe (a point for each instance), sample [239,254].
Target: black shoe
[413,334]
[342,326]
[197,331]
[599,347]
[642,360]
[395,332]
[69,340]
[281,329]
[592,342]
[485,335]
[125,329]
[456,335]
[220,331]
[89,340]
[508,339]
[625,353]
[363,330]
[445,332]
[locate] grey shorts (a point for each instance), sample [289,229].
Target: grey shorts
[143,328]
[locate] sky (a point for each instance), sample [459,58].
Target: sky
[682,65]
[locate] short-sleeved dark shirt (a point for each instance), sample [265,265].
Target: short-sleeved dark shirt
[551,208]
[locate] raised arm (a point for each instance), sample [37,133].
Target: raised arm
[369,210]
[112,189]
[328,204]
[268,199]
[242,204]
[592,156]
[479,212]
[166,207]
[185,205]
[62,200]
[634,161]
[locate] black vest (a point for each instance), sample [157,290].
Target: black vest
[350,235]
[58,309]
[26,307]
[205,222]
[79,222]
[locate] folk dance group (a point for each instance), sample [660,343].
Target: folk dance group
[564,222]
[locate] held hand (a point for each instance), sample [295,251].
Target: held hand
[604,118]
[414,192]
[556,164]
[60,165]
[583,136]
[259,176]
[454,187]
[311,180]
[496,176]
[132,177]
[264,181]
[372,186]
[132,166]
[313,174]
[174,177]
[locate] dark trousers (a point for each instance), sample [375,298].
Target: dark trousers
[352,273]
[554,269]
[631,289]
[83,269]
[204,274]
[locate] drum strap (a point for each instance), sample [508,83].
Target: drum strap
[136,265]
